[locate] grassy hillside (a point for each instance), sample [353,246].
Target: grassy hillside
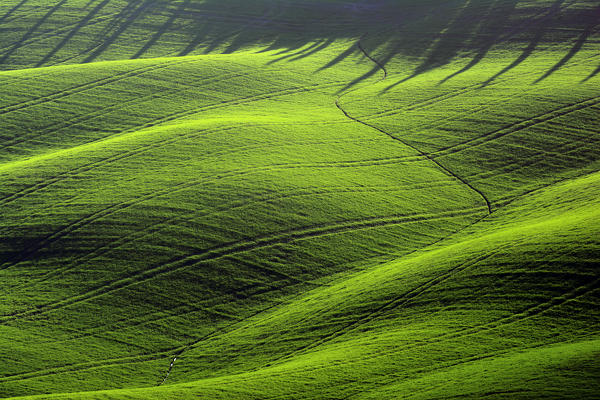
[300,199]
[490,308]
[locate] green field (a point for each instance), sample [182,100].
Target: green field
[284,199]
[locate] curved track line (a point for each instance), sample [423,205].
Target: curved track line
[407,297]
[420,152]
[242,246]
[517,126]
[36,38]
[392,304]
[338,105]
[523,315]
[88,85]
[118,207]
[77,90]
[465,90]
[158,121]
[88,365]
[156,227]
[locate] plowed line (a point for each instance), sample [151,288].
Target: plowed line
[421,153]
[88,365]
[78,89]
[516,127]
[234,102]
[223,104]
[523,315]
[86,86]
[466,90]
[338,105]
[514,166]
[229,249]
[518,317]
[105,111]
[114,208]
[172,117]
[392,304]
[152,229]
[50,34]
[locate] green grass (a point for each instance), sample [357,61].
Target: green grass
[238,185]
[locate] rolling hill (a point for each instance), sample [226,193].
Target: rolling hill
[299,199]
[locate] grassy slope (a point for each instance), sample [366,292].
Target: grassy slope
[258,215]
[491,308]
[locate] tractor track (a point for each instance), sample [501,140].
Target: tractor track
[242,246]
[525,314]
[420,152]
[531,312]
[208,178]
[517,126]
[157,227]
[162,120]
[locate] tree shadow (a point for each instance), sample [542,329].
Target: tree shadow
[129,15]
[496,20]
[12,10]
[593,16]
[593,74]
[31,31]
[353,49]
[540,29]
[296,29]
[164,28]
[447,42]
[84,21]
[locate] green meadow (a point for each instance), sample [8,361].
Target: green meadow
[286,199]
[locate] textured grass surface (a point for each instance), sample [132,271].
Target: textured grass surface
[304,199]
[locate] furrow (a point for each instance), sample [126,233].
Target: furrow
[420,152]
[86,86]
[390,305]
[170,118]
[516,127]
[154,228]
[236,248]
[114,208]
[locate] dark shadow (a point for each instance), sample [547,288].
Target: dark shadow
[375,70]
[346,53]
[73,32]
[31,31]
[443,45]
[89,3]
[497,20]
[447,43]
[594,18]
[201,33]
[593,74]
[12,10]
[294,29]
[541,28]
[117,20]
[164,28]
[251,29]
[137,8]
[322,46]
[314,45]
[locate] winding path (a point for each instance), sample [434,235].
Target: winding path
[421,153]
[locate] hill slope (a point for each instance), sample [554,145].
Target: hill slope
[299,199]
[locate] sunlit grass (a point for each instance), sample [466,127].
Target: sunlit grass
[236,186]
